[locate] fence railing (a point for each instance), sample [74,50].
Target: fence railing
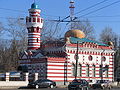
[21,80]
[19,77]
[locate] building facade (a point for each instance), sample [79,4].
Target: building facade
[64,60]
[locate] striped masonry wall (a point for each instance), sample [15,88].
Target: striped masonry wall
[83,60]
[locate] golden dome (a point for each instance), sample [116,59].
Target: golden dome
[75,33]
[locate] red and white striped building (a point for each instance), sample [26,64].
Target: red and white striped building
[56,60]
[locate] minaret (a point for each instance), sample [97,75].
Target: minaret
[34,25]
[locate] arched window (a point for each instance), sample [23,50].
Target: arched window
[26,20]
[37,29]
[37,39]
[93,71]
[100,71]
[80,70]
[106,70]
[103,58]
[32,29]
[90,58]
[73,69]
[34,19]
[87,70]
[29,19]
[38,19]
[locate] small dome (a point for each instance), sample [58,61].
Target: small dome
[75,33]
[110,43]
[34,6]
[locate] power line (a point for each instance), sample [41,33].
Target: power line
[75,13]
[74,20]
[50,15]
[23,18]
[103,21]
[87,8]
[93,11]
[59,16]
[13,10]
[72,13]
[101,8]
[24,11]
[103,16]
[91,6]
[19,18]
[78,12]
[63,21]
[83,21]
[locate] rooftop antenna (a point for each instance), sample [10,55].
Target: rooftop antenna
[71,13]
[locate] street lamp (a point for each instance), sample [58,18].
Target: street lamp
[101,66]
[76,57]
[65,70]
[116,63]
[65,64]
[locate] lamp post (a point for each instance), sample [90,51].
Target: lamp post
[65,70]
[101,68]
[116,63]
[65,64]
[76,58]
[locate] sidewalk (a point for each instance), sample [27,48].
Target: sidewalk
[118,85]
[62,86]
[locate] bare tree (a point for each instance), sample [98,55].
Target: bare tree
[86,27]
[17,43]
[1,27]
[1,30]
[50,30]
[4,55]
[108,35]
[18,32]
[3,46]
[117,59]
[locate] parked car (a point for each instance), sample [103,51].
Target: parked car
[42,83]
[102,84]
[78,84]
[91,82]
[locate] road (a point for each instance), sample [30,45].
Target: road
[58,89]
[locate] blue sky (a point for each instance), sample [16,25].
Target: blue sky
[52,9]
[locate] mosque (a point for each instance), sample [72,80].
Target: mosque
[62,61]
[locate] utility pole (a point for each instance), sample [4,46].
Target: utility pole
[76,57]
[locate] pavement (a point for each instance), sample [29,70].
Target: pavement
[62,86]
[59,86]
[65,86]
[118,85]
